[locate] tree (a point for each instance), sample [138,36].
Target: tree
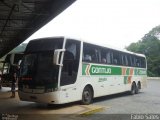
[150,46]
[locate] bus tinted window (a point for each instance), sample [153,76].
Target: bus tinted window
[138,62]
[102,55]
[91,53]
[132,58]
[46,44]
[143,63]
[124,59]
[70,62]
[106,56]
[116,58]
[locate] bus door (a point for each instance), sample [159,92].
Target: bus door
[69,70]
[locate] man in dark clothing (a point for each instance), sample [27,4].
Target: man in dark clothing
[13,87]
[0,80]
[14,78]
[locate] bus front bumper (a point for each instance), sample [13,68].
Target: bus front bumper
[49,98]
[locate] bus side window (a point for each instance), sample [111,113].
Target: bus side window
[124,60]
[116,58]
[94,56]
[133,61]
[91,53]
[137,62]
[88,58]
[129,60]
[143,63]
[115,61]
[108,57]
[70,62]
[105,56]
[104,60]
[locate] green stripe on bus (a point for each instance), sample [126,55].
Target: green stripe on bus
[127,71]
[140,72]
[105,70]
[90,69]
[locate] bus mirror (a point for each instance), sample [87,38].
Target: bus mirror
[19,62]
[12,59]
[56,56]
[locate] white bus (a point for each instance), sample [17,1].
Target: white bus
[61,70]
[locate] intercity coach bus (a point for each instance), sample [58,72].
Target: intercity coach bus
[61,70]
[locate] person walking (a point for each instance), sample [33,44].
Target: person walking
[0,80]
[14,71]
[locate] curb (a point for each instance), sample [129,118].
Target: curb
[153,78]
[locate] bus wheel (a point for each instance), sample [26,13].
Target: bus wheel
[87,96]
[133,88]
[138,86]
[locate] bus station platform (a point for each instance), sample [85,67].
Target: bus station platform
[13,107]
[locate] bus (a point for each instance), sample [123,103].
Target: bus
[60,70]
[8,65]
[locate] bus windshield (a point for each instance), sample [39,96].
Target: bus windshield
[39,67]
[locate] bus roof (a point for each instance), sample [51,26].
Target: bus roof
[94,43]
[107,46]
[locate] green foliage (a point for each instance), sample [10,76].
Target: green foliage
[150,46]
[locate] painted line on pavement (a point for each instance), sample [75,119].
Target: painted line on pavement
[90,109]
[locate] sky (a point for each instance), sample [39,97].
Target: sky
[115,23]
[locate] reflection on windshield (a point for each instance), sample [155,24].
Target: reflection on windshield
[40,68]
[28,64]
[46,71]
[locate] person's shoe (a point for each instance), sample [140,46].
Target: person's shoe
[12,96]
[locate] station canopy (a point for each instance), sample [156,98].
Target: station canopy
[21,18]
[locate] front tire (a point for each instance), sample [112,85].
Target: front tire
[87,96]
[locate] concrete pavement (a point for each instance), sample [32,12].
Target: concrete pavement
[13,106]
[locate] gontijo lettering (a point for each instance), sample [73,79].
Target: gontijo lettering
[101,70]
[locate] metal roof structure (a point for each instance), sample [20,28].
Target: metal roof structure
[21,18]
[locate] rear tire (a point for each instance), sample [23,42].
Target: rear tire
[138,86]
[87,96]
[133,89]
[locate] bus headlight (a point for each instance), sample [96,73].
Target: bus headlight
[49,90]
